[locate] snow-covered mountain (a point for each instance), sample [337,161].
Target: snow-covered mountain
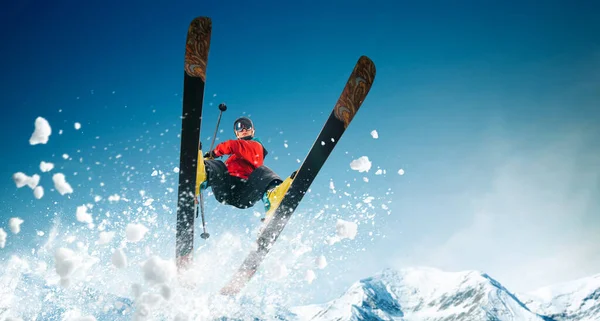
[423,294]
[570,301]
[428,294]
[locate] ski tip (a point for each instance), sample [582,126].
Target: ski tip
[367,64]
[201,19]
[197,46]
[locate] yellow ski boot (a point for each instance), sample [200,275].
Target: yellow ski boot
[200,173]
[274,196]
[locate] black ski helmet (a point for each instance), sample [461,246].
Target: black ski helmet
[242,122]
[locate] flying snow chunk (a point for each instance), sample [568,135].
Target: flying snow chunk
[135,232]
[119,260]
[21,179]
[345,229]
[61,184]
[154,173]
[65,263]
[310,276]
[176,170]
[279,271]
[321,262]
[361,164]
[157,270]
[368,199]
[15,224]
[374,134]
[148,202]
[401,172]
[165,292]
[3,236]
[46,167]
[41,133]
[105,237]
[82,215]
[379,172]
[77,126]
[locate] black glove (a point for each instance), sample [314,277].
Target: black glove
[210,154]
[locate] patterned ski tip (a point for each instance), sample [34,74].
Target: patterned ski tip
[356,90]
[196,48]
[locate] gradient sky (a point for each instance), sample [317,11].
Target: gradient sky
[491,108]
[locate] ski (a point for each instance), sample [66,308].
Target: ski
[196,57]
[345,109]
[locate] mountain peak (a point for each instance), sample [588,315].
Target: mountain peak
[423,294]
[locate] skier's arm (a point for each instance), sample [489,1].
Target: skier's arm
[227,148]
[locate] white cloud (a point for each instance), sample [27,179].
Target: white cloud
[41,133]
[535,212]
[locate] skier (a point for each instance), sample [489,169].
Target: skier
[242,179]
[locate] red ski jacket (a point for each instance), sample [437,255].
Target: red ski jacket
[246,155]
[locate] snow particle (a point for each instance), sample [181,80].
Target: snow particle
[374,134]
[119,260]
[400,171]
[105,237]
[21,179]
[135,232]
[82,215]
[321,262]
[65,264]
[15,224]
[310,276]
[61,184]
[361,164]
[46,167]
[3,236]
[158,271]
[345,229]
[41,133]
[77,126]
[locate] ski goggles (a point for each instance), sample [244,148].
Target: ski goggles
[241,125]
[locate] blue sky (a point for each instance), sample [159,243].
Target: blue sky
[490,108]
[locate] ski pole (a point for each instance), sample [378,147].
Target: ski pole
[222,108]
[205,235]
